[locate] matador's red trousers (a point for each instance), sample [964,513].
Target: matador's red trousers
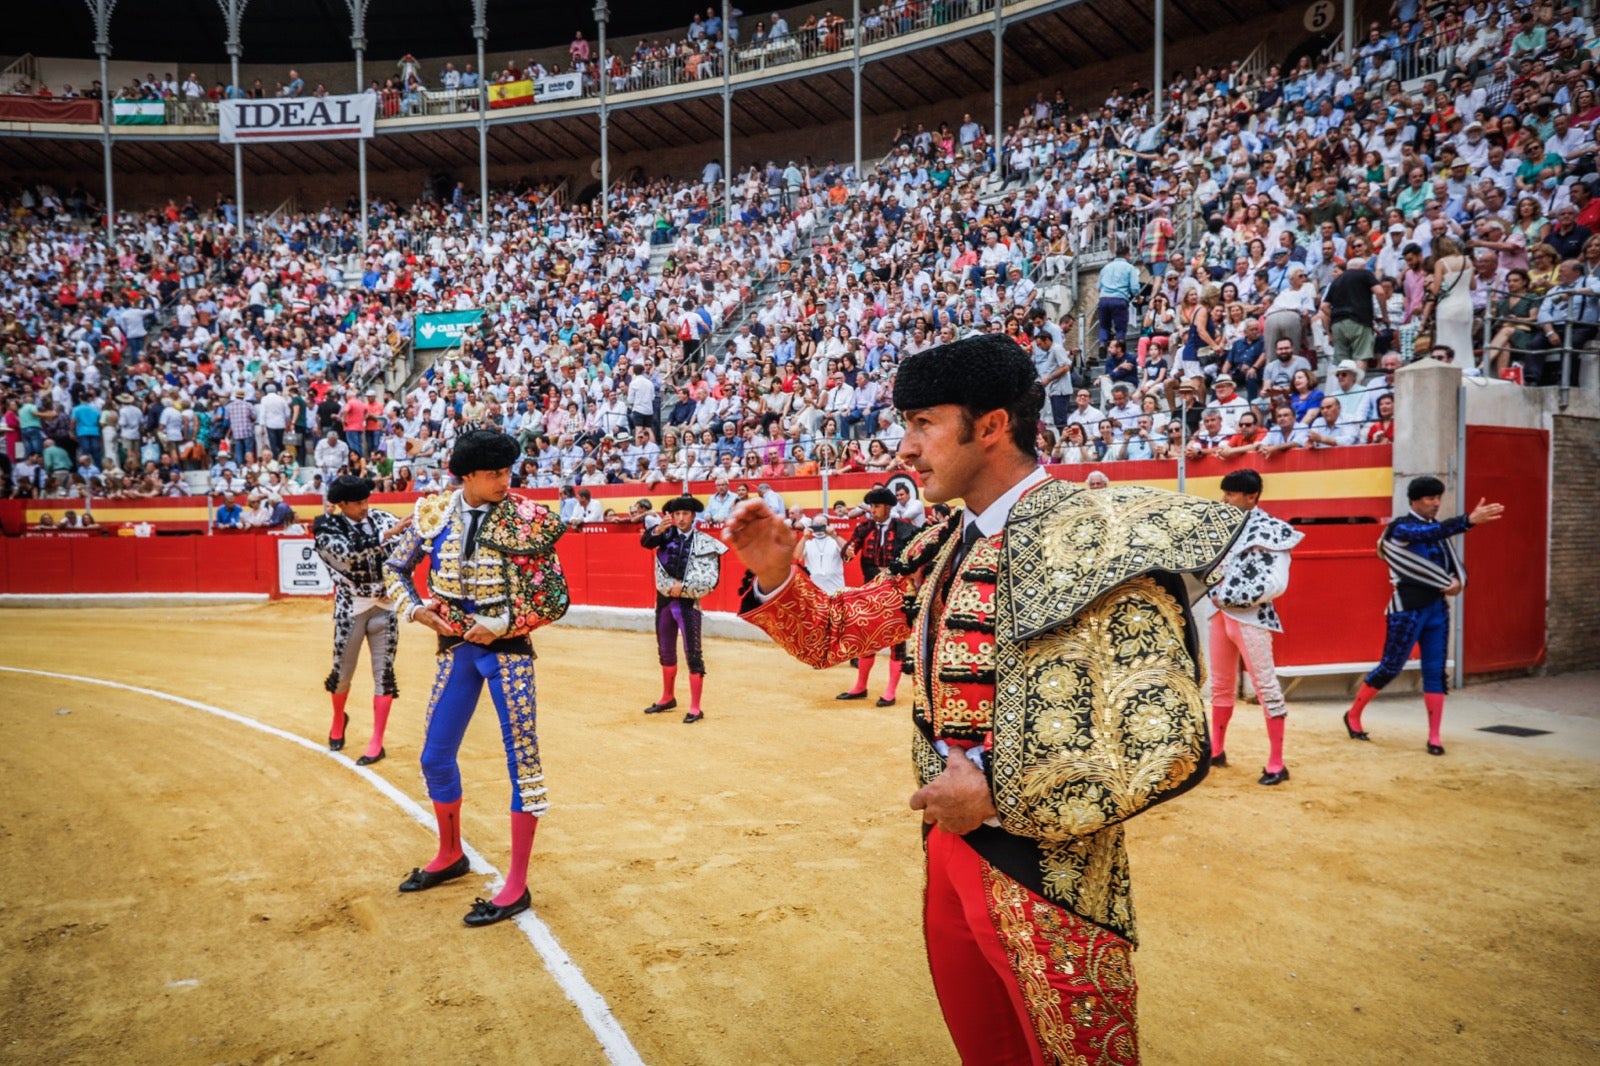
[1020,980]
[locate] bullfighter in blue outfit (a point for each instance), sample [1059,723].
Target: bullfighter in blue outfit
[493,578]
[1424,568]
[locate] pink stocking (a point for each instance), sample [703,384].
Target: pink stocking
[1363,697]
[669,682]
[380,722]
[448,815]
[336,731]
[863,671]
[1275,742]
[1221,714]
[697,682]
[522,827]
[1435,704]
[896,666]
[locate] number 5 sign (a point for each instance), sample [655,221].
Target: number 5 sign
[1320,16]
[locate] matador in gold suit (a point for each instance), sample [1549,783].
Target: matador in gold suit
[1053,651]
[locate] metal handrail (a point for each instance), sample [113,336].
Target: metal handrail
[691,68]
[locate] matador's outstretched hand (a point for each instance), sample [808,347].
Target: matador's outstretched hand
[1485,512]
[765,543]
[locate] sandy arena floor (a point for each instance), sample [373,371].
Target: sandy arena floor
[178,888]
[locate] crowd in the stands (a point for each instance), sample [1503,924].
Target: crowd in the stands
[668,343]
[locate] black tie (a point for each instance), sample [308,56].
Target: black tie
[470,545]
[969,537]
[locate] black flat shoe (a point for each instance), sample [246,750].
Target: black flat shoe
[368,760]
[1354,734]
[657,708]
[338,744]
[420,880]
[885,703]
[1220,759]
[692,717]
[1274,779]
[485,913]
[1435,749]
[851,696]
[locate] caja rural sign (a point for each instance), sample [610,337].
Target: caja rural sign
[443,330]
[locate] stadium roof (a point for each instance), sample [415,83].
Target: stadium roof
[312,31]
[1047,39]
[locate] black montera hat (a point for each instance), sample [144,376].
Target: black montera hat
[347,488]
[984,373]
[683,503]
[483,449]
[878,495]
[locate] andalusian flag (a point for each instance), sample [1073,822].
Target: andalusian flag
[511,93]
[139,112]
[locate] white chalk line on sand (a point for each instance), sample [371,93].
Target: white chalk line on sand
[590,1003]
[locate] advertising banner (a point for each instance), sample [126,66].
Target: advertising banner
[139,112]
[298,118]
[300,569]
[443,330]
[559,87]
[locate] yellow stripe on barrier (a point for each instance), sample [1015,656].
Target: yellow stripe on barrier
[1370,482]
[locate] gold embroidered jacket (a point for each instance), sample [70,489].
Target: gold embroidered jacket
[1096,711]
[513,576]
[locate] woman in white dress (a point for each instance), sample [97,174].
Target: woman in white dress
[1453,282]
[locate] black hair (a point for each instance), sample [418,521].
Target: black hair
[1245,480]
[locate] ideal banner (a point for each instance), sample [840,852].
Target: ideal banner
[443,330]
[139,112]
[560,87]
[300,569]
[299,118]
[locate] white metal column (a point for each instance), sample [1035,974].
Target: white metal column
[101,12]
[232,17]
[358,41]
[602,13]
[1161,59]
[727,118]
[480,31]
[999,93]
[855,94]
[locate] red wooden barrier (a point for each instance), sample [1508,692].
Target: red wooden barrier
[1333,612]
[1503,608]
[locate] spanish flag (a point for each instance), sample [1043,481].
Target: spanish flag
[511,93]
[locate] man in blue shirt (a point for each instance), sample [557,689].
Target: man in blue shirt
[1119,284]
[783,351]
[730,444]
[231,514]
[1424,568]
[86,424]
